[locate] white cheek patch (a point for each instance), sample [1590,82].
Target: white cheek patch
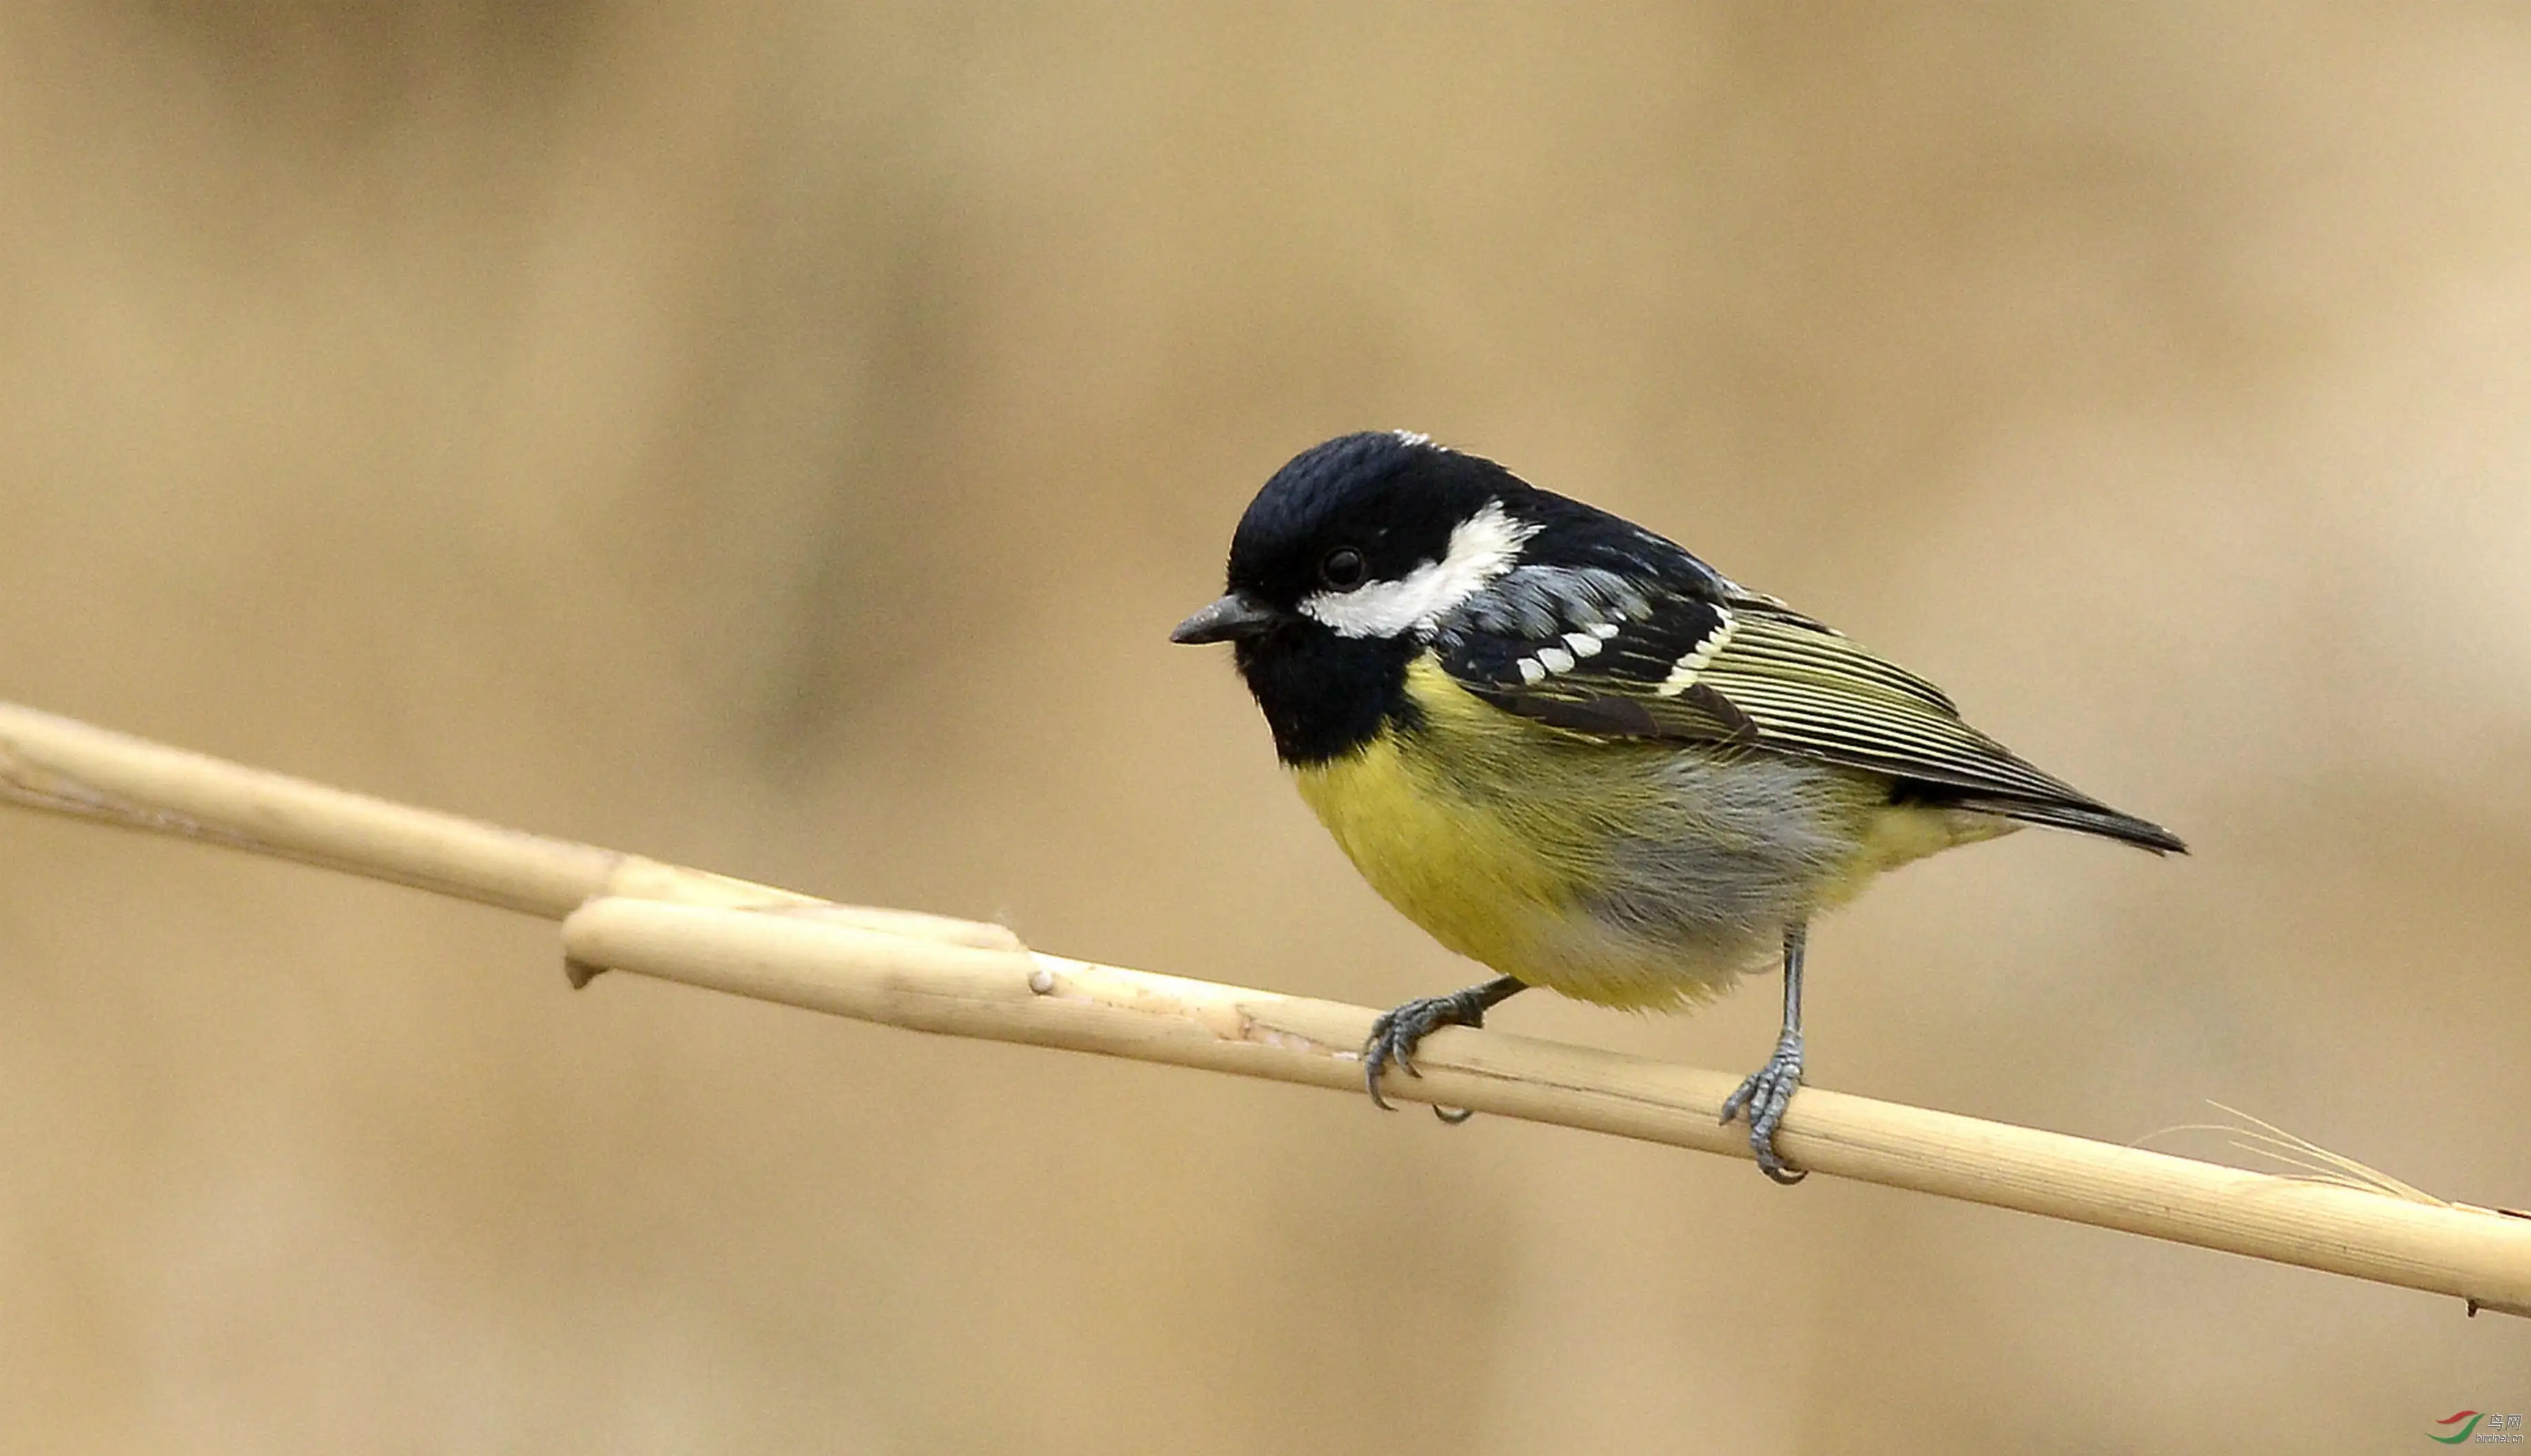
[1483,548]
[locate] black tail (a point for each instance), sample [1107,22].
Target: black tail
[2084,817]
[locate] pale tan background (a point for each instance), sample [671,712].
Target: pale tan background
[779,437]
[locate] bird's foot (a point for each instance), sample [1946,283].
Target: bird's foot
[1763,1098]
[1395,1036]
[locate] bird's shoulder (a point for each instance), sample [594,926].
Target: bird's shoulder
[1616,632]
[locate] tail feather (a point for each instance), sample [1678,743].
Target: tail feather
[2083,817]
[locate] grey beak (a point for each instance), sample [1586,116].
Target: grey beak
[1234,616]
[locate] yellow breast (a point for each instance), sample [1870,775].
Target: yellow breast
[1490,833]
[1623,873]
[1461,869]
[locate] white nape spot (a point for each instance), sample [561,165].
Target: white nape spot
[1411,437]
[1583,643]
[1683,673]
[1482,547]
[1555,659]
[1531,671]
[1604,629]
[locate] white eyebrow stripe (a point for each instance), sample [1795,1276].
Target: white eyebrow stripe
[1482,547]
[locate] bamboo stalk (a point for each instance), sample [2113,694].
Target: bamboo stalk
[965,978]
[68,767]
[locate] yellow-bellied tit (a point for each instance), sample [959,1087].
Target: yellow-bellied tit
[1578,754]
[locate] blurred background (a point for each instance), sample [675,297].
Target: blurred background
[778,437]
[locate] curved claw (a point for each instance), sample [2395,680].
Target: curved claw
[1396,1033]
[1391,1039]
[1374,1055]
[1763,1098]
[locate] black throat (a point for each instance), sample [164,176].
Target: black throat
[1325,696]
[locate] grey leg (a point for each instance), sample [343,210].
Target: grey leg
[1394,1036]
[1763,1095]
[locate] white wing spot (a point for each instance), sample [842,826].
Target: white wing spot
[1583,643]
[1604,629]
[1530,671]
[1555,659]
[1683,673]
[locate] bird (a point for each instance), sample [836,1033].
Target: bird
[1574,753]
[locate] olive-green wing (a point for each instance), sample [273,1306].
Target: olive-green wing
[1733,667]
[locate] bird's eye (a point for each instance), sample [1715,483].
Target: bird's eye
[1343,569]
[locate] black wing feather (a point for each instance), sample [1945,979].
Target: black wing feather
[1674,652]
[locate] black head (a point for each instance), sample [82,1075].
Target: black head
[1338,568]
[1359,509]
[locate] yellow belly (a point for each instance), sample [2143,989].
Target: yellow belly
[1462,870]
[1501,838]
